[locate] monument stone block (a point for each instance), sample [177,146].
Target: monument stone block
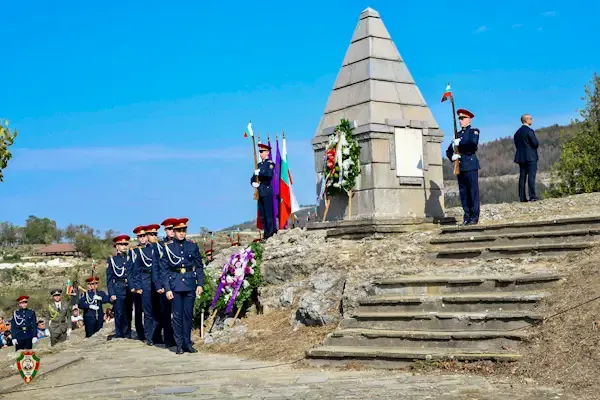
[401,158]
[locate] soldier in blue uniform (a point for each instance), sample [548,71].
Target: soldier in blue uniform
[464,149]
[262,181]
[164,328]
[91,303]
[118,269]
[23,327]
[182,272]
[136,294]
[142,275]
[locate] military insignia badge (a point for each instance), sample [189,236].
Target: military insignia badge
[476,131]
[271,166]
[28,365]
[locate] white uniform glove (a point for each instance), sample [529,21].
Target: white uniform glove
[14,342]
[255,184]
[455,157]
[34,340]
[68,333]
[456,142]
[93,307]
[256,171]
[96,297]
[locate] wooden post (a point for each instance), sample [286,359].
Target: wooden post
[255,164]
[210,320]
[235,317]
[327,203]
[350,205]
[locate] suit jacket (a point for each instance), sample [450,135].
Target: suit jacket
[526,145]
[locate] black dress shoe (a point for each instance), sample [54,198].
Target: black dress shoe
[179,351]
[534,199]
[149,342]
[191,350]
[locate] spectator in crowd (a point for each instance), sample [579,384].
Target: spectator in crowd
[76,319]
[109,315]
[74,293]
[5,339]
[526,155]
[42,331]
[2,324]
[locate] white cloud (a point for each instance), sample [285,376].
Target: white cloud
[549,14]
[518,26]
[481,29]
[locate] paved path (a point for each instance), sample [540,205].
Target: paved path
[129,369]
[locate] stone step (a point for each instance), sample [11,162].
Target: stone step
[506,251]
[387,357]
[589,222]
[481,340]
[442,321]
[470,302]
[520,238]
[439,285]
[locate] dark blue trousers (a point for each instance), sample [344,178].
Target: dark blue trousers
[122,324]
[265,208]
[147,306]
[24,344]
[468,188]
[527,172]
[183,309]
[139,317]
[163,315]
[92,324]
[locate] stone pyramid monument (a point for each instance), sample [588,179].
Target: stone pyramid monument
[400,140]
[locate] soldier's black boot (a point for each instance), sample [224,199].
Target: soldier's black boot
[191,350]
[179,351]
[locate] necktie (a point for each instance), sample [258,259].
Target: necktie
[58,306]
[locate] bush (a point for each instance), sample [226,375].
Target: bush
[578,169]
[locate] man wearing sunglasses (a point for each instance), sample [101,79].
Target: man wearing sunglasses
[261,180]
[182,272]
[23,327]
[464,148]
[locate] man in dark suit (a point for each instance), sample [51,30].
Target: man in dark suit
[526,156]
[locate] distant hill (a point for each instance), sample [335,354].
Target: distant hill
[496,157]
[301,215]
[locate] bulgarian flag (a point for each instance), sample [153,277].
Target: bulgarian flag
[289,204]
[447,94]
[249,131]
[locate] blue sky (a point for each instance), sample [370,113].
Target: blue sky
[132,113]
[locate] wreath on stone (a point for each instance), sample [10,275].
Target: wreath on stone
[342,160]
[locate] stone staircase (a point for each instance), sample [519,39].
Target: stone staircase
[516,239]
[438,318]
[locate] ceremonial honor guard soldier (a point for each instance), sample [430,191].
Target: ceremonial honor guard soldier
[59,318]
[261,180]
[133,284]
[183,277]
[464,149]
[163,311]
[23,327]
[142,273]
[91,303]
[118,269]
[157,289]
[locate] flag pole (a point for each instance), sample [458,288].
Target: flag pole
[255,165]
[457,162]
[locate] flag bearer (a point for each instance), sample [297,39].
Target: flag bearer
[23,327]
[262,181]
[91,303]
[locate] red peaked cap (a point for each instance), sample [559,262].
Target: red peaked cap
[21,298]
[168,223]
[180,223]
[264,146]
[152,228]
[123,239]
[91,279]
[140,230]
[464,112]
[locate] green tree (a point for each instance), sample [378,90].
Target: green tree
[9,234]
[578,169]
[6,140]
[41,231]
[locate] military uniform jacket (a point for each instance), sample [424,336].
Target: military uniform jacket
[469,140]
[142,261]
[181,266]
[265,174]
[158,251]
[58,320]
[87,300]
[23,324]
[118,269]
